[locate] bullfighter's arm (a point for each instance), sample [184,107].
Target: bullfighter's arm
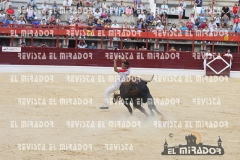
[115,65]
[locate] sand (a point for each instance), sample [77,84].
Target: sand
[144,139]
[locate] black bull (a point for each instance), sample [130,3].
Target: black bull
[135,90]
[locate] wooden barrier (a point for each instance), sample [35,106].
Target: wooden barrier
[104,58]
[218,66]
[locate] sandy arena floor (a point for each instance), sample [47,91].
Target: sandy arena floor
[146,141]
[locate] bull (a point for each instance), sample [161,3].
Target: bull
[135,90]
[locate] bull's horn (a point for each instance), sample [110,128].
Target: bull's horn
[148,80]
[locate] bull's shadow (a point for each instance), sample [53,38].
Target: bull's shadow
[135,90]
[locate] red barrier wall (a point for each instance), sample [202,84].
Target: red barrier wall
[86,57]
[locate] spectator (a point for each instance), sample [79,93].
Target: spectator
[225,20]
[104,6]
[99,25]
[204,24]
[2,15]
[164,19]
[236,19]
[36,22]
[142,16]
[44,8]
[108,20]
[114,8]
[115,25]
[92,46]
[121,9]
[88,14]
[201,19]
[210,25]
[2,4]
[184,5]
[40,44]
[198,6]
[138,2]
[217,19]
[5,21]
[160,26]
[231,29]
[205,30]
[131,48]
[225,10]
[82,44]
[128,11]
[143,8]
[14,20]
[67,5]
[53,20]
[87,3]
[132,26]
[96,14]
[72,25]
[213,1]
[135,9]
[229,55]
[150,18]
[79,6]
[59,45]
[30,14]
[22,44]
[77,19]
[56,10]
[58,20]
[47,18]
[104,14]
[10,11]
[183,28]
[189,24]
[43,22]
[195,11]
[23,14]
[97,5]
[164,8]
[21,21]
[33,4]
[140,25]
[237,27]
[235,10]
[213,29]
[211,11]
[142,48]
[70,18]
[172,49]
[180,12]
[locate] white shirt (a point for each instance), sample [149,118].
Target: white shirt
[217,20]
[142,16]
[45,7]
[115,26]
[84,46]
[21,22]
[228,55]
[122,76]
[164,7]
[180,9]
[65,3]
[161,27]
[97,14]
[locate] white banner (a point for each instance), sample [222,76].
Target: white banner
[11,49]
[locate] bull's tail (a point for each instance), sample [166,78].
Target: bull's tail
[146,81]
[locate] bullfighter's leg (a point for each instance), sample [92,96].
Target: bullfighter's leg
[151,105]
[107,93]
[141,109]
[127,104]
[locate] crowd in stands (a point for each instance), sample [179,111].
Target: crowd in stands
[98,15]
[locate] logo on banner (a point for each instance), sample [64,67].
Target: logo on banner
[11,49]
[194,146]
[218,58]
